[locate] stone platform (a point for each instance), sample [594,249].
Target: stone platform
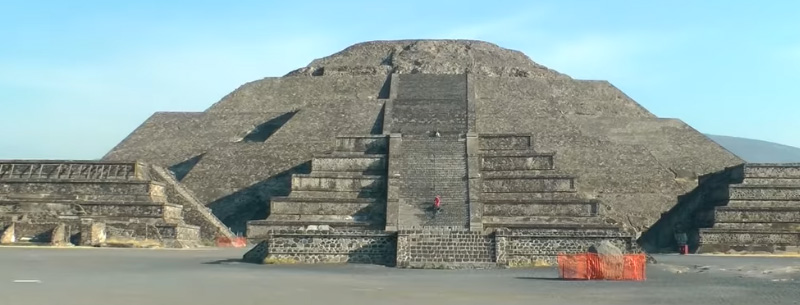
[761,214]
[66,201]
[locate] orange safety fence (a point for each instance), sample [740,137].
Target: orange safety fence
[590,266]
[227,242]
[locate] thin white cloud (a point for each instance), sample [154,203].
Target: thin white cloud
[790,54]
[605,55]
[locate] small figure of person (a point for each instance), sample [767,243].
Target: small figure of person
[681,239]
[437,204]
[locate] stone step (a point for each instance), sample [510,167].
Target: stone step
[320,217]
[323,206]
[772,181]
[543,219]
[258,229]
[337,182]
[110,198]
[764,192]
[496,142]
[557,196]
[521,161]
[757,214]
[553,228]
[759,226]
[96,209]
[76,187]
[528,184]
[367,144]
[733,237]
[336,194]
[583,208]
[764,203]
[772,170]
[432,86]
[372,163]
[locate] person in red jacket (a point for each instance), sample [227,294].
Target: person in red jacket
[437,204]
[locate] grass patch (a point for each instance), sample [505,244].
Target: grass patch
[279,261]
[117,242]
[539,263]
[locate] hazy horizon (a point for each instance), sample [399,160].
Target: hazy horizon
[77,78]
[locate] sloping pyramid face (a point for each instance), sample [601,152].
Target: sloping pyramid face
[241,152]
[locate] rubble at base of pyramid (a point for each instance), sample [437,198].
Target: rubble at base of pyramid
[340,161]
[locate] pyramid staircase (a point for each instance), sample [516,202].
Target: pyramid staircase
[345,190]
[531,203]
[762,214]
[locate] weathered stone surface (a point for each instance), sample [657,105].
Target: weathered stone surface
[59,237]
[325,246]
[8,236]
[93,234]
[54,202]
[257,254]
[426,57]
[621,153]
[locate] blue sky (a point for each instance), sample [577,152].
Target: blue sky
[76,77]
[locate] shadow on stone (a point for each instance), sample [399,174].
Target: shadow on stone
[182,169]
[377,127]
[252,203]
[262,132]
[225,261]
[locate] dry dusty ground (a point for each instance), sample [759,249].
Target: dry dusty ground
[199,277]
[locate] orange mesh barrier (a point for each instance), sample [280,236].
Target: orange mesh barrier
[590,266]
[226,242]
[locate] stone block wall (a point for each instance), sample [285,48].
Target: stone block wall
[69,170]
[762,213]
[40,196]
[444,249]
[313,247]
[534,247]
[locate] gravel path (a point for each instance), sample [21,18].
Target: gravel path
[199,277]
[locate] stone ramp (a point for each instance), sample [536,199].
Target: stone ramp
[194,212]
[762,213]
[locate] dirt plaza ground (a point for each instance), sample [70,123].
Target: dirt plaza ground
[214,276]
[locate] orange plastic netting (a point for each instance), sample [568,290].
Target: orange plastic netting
[590,266]
[226,242]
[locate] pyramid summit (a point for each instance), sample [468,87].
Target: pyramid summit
[351,150]
[427,57]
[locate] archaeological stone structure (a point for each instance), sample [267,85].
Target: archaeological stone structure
[340,161]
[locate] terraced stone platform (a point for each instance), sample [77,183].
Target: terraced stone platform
[762,213]
[130,200]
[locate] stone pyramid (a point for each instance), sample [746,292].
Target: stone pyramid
[241,153]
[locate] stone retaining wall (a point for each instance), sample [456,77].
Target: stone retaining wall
[534,247]
[314,247]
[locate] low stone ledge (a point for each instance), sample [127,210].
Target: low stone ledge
[339,175]
[450,265]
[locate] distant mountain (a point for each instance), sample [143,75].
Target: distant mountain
[757,151]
